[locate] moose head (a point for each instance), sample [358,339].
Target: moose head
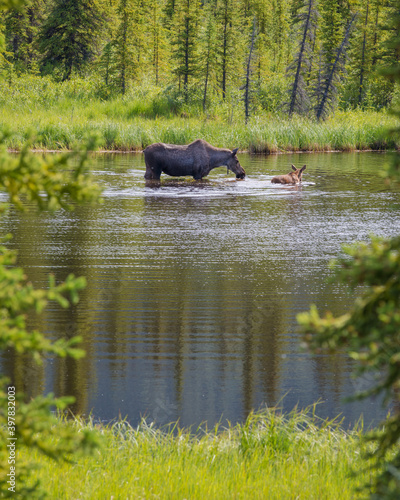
[234,165]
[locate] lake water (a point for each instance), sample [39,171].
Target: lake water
[194,287]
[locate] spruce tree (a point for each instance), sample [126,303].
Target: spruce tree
[139,30]
[3,54]
[364,87]
[226,15]
[248,74]
[264,16]
[125,60]
[378,10]
[69,35]
[185,41]
[208,51]
[332,74]
[306,18]
[157,38]
[105,65]
[390,52]
[21,31]
[280,31]
[364,53]
[231,42]
[331,27]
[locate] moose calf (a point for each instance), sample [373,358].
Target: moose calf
[290,178]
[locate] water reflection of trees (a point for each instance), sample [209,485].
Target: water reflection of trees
[185,289]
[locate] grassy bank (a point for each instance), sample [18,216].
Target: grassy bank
[270,456]
[345,132]
[63,114]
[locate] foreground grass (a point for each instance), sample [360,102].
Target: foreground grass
[61,115]
[270,456]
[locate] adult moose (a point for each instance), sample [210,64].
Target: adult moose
[196,159]
[291,177]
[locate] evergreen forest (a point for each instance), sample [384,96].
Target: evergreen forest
[303,57]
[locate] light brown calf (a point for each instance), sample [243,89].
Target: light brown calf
[291,177]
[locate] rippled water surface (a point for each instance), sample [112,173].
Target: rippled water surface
[194,287]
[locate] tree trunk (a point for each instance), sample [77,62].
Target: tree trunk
[206,80]
[186,72]
[329,80]
[300,60]
[248,72]
[225,52]
[362,69]
[375,43]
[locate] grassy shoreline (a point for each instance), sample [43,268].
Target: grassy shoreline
[349,131]
[140,151]
[60,116]
[269,456]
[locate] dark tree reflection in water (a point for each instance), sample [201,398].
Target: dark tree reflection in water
[193,287]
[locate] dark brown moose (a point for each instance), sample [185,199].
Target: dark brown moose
[291,177]
[196,159]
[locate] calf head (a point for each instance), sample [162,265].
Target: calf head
[234,165]
[298,172]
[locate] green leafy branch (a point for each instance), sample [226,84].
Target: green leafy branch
[17,297]
[52,182]
[42,430]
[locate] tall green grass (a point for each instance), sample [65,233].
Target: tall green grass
[269,456]
[60,115]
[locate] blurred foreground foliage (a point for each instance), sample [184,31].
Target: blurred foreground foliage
[370,331]
[50,183]
[370,334]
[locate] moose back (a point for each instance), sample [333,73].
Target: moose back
[196,159]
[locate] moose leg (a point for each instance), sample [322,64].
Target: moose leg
[199,171]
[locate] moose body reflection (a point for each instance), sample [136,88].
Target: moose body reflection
[290,178]
[196,159]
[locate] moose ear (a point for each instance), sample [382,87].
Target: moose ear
[303,168]
[234,151]
[294,168]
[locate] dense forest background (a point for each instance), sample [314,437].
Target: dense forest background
[293,56]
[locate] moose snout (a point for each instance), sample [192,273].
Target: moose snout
[240,173]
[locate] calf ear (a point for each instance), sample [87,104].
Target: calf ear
[303,168]
[234,151]
[294,168]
